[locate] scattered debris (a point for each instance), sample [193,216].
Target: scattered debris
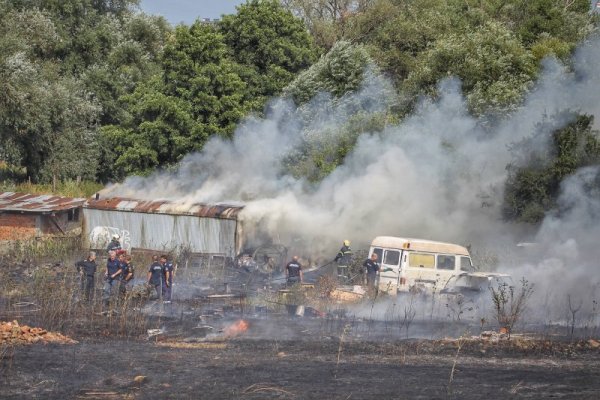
[14,334]
[155,332]
[194,345]
[492,336]
[347,295]
[140,379]
[266,388]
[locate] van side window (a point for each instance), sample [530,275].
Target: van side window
[465,264]
[445,262]
[420,260]
[392,257]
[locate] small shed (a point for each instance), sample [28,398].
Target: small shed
[164,225]
[25,216]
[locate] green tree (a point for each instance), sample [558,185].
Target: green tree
[198,94]
[327,19]
[339,72]
[42,113]
[270,43]
[533,185]
[342,72]
[494,67]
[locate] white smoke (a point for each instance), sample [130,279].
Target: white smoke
[439,174]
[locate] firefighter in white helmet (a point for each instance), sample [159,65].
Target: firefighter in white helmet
[115,244]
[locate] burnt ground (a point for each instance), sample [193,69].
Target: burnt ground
[283,357]
[322,367]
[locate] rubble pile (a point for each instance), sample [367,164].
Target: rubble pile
[11,333]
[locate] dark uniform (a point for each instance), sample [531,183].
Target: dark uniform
[156,277]
[343,258]
[114,245]
[293,269]
[372,267]
[126,269]
[87,269]
[111,284]
[167,283]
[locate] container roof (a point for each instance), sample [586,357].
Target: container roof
[37,203]
[225,211]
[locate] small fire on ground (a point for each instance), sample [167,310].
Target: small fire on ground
[236,329]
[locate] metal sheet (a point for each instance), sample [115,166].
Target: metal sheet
[161,232]
[36,203]
[225,211]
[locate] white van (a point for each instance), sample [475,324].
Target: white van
[420,265]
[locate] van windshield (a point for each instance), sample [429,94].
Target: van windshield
[465,264]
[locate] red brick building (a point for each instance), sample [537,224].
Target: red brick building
[28,216]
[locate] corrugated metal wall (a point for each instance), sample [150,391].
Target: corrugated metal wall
[161,231]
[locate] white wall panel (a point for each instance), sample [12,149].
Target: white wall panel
[161,231]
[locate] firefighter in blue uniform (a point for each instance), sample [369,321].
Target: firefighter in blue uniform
[87,271]
[293,272]
[344,258]
[371,268]
[167,282]
[155,276]
[126,274]
[111,277]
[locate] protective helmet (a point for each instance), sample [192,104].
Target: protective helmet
[346,242]
[116,237]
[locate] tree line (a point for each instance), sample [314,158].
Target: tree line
[99,90]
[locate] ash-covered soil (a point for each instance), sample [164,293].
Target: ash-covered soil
[310,368]
[192,354]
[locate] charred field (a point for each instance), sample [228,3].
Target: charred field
[308,368]
[227,348]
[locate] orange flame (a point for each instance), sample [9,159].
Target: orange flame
[237,328]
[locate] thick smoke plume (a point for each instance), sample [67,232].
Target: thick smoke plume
[439,174]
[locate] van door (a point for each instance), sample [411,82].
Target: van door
[389,272]
[421,273]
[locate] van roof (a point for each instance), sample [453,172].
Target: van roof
[411,244]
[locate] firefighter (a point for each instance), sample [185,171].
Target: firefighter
[115,244]
[87,271]
[167,282]
[293,272]
[155,276]
[371,268]
[343,259]
[126,274]
[111,275]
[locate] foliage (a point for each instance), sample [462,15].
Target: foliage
[533,185]
[510,303]
[319,155]
[197,95]
[270,43]
[396,33]
[495,69]
[326,19]
[63,66]
[418,42]
[339,72]
[66,188]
